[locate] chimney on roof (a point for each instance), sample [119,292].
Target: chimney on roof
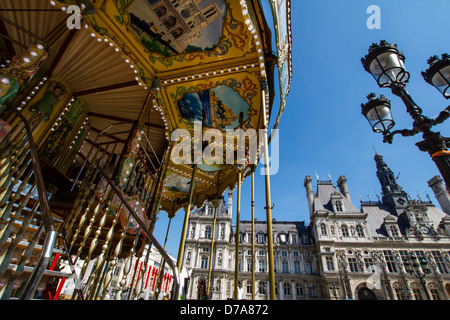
[309,193]
[342,184]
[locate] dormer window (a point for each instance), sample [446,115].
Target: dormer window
[338,206]
[394,231]
[283,238]
[261,238]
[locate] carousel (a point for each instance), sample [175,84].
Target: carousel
[113,112]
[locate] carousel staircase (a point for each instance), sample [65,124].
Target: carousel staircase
[29,249]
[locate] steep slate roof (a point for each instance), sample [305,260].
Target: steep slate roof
[278,226]
[376,212]
[322,198]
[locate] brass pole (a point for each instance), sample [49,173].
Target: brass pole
[157,290]
[268,206]
[186,219]
[211,250]
[253,235]
[238,212]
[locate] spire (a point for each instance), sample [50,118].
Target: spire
[386,177]
[392,192]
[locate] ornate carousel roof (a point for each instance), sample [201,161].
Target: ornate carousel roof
[157,66]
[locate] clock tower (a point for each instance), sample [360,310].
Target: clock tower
[393,194]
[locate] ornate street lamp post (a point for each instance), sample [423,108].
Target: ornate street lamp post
[418,267]
[386,64]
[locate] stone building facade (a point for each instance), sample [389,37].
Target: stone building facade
[396,248]
[296,265]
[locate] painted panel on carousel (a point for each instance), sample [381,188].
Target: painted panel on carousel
[218,104]
[178,185]
[177,26]
[218,107]
[179,33]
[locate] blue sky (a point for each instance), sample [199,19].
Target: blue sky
[322,129]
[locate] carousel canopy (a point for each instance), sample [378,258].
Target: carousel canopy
[161,67]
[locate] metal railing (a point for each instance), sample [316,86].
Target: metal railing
[17,156]
[97,190]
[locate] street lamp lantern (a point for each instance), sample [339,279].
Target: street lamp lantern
[438,74]
[378,112]
[386,64]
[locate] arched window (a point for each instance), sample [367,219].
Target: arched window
[262,287]
[160,11]
[359,231]
[170,22]
[208,233]
[178,32]
[417,291]
[299,289]
[323,229]
[366,294]
[287,289]
[344,230]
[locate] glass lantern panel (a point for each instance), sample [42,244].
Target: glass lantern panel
[381,125]
[441,80]
[379,113]
[388,68]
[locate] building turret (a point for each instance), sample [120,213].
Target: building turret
[440,192]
